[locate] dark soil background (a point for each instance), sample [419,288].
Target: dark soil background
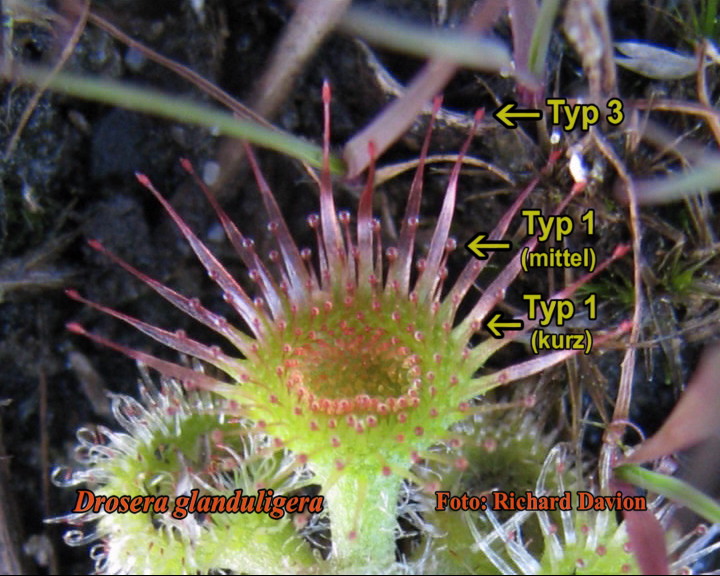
[70,178]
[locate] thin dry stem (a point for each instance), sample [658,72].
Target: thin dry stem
[396,118]
[312,22]
[622,404]
[42,87]
[712,120]
[209,88]
[679,106]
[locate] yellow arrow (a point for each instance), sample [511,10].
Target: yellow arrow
[495,325]
[507,115]
[476,246]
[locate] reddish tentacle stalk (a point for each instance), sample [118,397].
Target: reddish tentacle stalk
[189,377]
[475,267]
[332,240]
[191,306]
[486,349]
[428,280]
[245,248]
[292,262]
[399,272]
[496,291]
[176,340]
[536,365]
[366,256]
[232,291]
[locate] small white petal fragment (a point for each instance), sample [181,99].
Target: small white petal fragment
[199,7]
[578,171]
[210,173]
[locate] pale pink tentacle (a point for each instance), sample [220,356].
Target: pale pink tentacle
[244,247]
[168,369]
[530,367]
[399,271]
[496,291]
[191,306]
[332,239]
[232,291]
[365,227]
[429,277]
[175,340]
[474,267]
[293,263]
[487,348]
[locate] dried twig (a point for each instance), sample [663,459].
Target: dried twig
[311,23]
[397,117]
[212,90]
[309,26]
[41,87]
[712,119]
[622,405]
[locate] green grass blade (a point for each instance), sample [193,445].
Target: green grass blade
[672,488]
[458,47]
[705,177]
[541,37]
[710,25]
[183,110]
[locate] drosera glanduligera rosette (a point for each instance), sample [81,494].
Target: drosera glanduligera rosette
[355,365]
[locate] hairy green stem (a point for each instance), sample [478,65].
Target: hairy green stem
[363,520]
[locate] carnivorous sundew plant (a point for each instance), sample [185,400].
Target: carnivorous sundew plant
[350,372]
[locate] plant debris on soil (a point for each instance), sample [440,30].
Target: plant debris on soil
[70,178]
